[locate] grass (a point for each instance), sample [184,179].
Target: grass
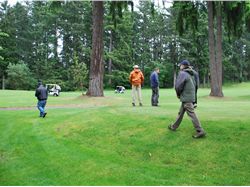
[105,141]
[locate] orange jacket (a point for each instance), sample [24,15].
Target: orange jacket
[136,77]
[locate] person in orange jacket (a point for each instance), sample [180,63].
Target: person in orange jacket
[136,79]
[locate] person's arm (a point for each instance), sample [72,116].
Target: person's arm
[197,81]
[130,78]
[37,93]
[152,78]
[180,83]
[157,79]
[46,93]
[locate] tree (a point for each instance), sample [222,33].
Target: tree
[188,16]
[151,42]
[7,41]
[215,50]
[19,76]
[96,65]
[3,63]
[118,40]
[78,72]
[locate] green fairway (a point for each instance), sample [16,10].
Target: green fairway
[106,141]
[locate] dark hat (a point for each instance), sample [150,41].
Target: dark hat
[184,62]
[39,82]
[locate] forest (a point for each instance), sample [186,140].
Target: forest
[55,41]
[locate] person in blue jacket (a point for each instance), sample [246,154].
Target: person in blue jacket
[154,80]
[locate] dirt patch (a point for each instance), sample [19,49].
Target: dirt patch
[51,107]
[17,108]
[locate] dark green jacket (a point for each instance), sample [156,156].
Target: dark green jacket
[186,85]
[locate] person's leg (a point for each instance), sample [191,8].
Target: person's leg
[152,97]
[157,95]
[189,107]
[139,94]
[40,108]
[133,94]
[179,118]
[43,105]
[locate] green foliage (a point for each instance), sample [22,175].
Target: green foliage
[236,59]
[119,78]
[234,12]
[78,73]
[121,54]
[187,15]
[2,34]
[247,15]
[19,77]
[116,9]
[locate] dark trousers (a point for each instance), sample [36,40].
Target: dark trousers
[155,96]
[189,108]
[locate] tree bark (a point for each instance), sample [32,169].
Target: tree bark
[204,80]
[3,82]
[174,79]
[215,71]
[219,50]
[110,60]
[96,64]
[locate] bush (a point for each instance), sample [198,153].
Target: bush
[20,77]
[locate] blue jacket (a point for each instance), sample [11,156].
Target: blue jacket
[154,79]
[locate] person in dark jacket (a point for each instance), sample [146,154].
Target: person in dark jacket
[154,80]
[186,89]
[42,95]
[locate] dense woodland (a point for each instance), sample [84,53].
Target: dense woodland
[52,41]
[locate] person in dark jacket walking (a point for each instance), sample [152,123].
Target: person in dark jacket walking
[186,89]
[42,95]
[154,80]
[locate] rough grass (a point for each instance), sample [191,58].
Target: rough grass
[105,141]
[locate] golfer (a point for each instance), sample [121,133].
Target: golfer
[136,79]
[186,87]
[154,81]
[42,95]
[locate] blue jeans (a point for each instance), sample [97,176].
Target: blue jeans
[41,105]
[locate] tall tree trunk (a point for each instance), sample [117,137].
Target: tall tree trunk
[3,82]
[96,65]
[216,87]
[219,50]
[174,79]
[204,80]
[173,59]
[56,43]
[110,60]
